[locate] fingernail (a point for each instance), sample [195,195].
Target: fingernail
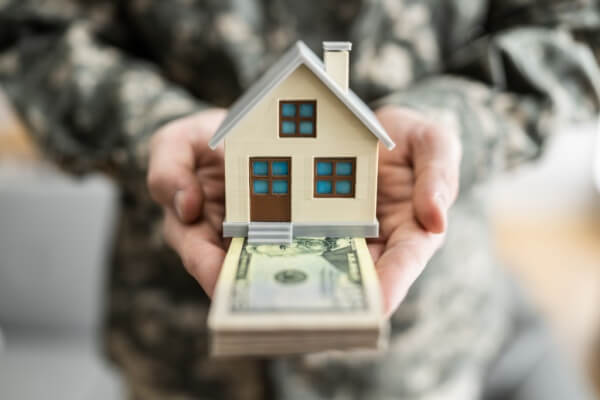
[179,204]
[440,200]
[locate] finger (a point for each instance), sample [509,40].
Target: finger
[400,265]
[376,249]
[199,248]
[171,175]
[436,158]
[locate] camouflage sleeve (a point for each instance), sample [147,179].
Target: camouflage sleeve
[505,92]
[88,104]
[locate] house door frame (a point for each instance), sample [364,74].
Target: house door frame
[270,206]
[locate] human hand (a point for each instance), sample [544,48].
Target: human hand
[418,181]
[187,179]
[417,184]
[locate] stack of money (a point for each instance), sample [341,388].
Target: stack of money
[313,295]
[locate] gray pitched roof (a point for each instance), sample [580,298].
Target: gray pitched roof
[298,55]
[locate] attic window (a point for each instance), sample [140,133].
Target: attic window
[298,118]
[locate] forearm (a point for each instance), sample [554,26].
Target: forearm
[540,80]
[87,104]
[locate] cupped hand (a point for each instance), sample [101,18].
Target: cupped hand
[417,184]
[187,179]
[417,181]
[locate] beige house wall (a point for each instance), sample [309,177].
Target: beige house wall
[339,134]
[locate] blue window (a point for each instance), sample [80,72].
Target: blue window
[306,128]
[270,176]
[280,187]
[335,177]
[307,110]
[298,118]
[259,168]
[324,168]
[280,168]
[261,186]
[343,187]
[343,168]
[288,110]
[288,127]
[323,187]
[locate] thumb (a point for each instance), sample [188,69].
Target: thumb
[436,157]
[171,177]
[432,198]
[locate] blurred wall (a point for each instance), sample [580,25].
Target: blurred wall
[546,220]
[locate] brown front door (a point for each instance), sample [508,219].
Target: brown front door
[270,188]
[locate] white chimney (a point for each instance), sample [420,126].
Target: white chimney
[337,60]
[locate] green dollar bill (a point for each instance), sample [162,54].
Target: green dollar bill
[308,275]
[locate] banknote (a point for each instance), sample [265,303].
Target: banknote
[312,294]
[311,274]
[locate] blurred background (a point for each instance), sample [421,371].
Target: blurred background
[546,225]
[56,233]
[55,238]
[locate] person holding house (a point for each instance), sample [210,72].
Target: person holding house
[463,89]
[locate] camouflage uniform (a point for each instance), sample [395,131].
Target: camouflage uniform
[94,79]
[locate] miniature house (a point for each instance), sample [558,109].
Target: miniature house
[301,152]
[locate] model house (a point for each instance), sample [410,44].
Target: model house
[301,152]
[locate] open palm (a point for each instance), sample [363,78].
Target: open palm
[188,179]
[417,183]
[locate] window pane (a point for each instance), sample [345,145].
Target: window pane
[343,168]
[343,187]
[259,168]
[324,168]
[280,187]
[307,109]
[306,128]
[261,187]
[288,127]
[323,187]
[279,167]
[288,110]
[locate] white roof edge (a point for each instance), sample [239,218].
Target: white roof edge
[351,100]
[271,78]
[299,54]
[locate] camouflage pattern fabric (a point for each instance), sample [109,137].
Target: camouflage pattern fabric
[94,79]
